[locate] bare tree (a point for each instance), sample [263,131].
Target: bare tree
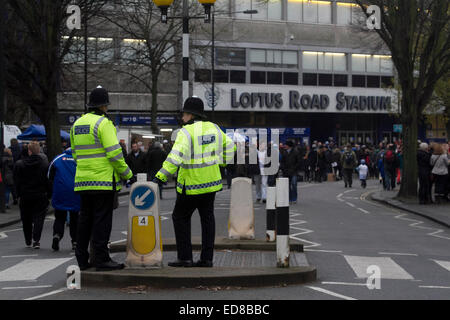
[152,47]
[35,51]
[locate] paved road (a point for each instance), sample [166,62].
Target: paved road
[342,230]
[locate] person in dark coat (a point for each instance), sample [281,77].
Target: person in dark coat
[15,149]
[136,160]
[154,161]
[423,161]
[312,163]
[322,164]
[290,164]
[8,176]
[33,189]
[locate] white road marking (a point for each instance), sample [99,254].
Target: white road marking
[434,287]
[398,254]
[294,225]
[350,204]
[31,287]
[3,235]
[47,294]
[331,293]
[349,191]
[31,269]
[389,269]
[326,251]
[443,264]
[21,256]
[119,241]
[365,211]
[415,224]
[346,283]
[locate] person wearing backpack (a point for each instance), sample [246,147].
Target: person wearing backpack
[390,162]
[349,163]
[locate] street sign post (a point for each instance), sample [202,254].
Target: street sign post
[144,245]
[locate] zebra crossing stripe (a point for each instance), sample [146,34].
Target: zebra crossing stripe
[31,269]
[389,269]
[443,264]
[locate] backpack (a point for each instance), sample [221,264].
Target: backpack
[349,158]
[389,156]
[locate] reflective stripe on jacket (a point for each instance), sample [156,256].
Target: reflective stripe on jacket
[198,151]
[99,157]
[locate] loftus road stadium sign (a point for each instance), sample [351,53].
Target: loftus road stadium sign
[269,98]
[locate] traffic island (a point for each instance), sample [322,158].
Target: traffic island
[237,263]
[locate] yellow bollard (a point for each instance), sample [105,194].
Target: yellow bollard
[144,245]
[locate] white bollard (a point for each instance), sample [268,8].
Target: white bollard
[241,223]
[282,222]
[144,245]
[271,214]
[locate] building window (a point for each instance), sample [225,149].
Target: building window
[273,58]
[310,79]
[274,77]
[221,76]
[202,75]
[237,76]
[373,82]
[267,10]
[100,50]
[132,50]
[105,50]
[327,61]
[349,13]
[290,78]
[372,63]
[325,80]
[258,77]
[340,80]
[359,81]
[230,57]
[387,82]
[309,11]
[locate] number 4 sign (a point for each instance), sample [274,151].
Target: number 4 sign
[143,221]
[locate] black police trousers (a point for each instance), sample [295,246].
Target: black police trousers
[94,222]
[184,208]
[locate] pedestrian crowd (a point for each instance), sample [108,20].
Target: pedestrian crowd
[31,182]
[329,162]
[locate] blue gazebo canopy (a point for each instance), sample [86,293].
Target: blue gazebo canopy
[38,132]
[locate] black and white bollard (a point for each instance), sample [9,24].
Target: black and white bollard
[282,222]
[271,214]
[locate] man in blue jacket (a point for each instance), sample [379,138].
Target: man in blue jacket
[61,174]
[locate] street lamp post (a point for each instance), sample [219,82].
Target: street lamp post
[164,5]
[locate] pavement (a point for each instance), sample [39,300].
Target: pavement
[439,213]
[237,263]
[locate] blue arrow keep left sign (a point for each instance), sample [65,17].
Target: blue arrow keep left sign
[142,198]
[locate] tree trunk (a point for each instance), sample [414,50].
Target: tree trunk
[154,124]
[408,187]
[50,120]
